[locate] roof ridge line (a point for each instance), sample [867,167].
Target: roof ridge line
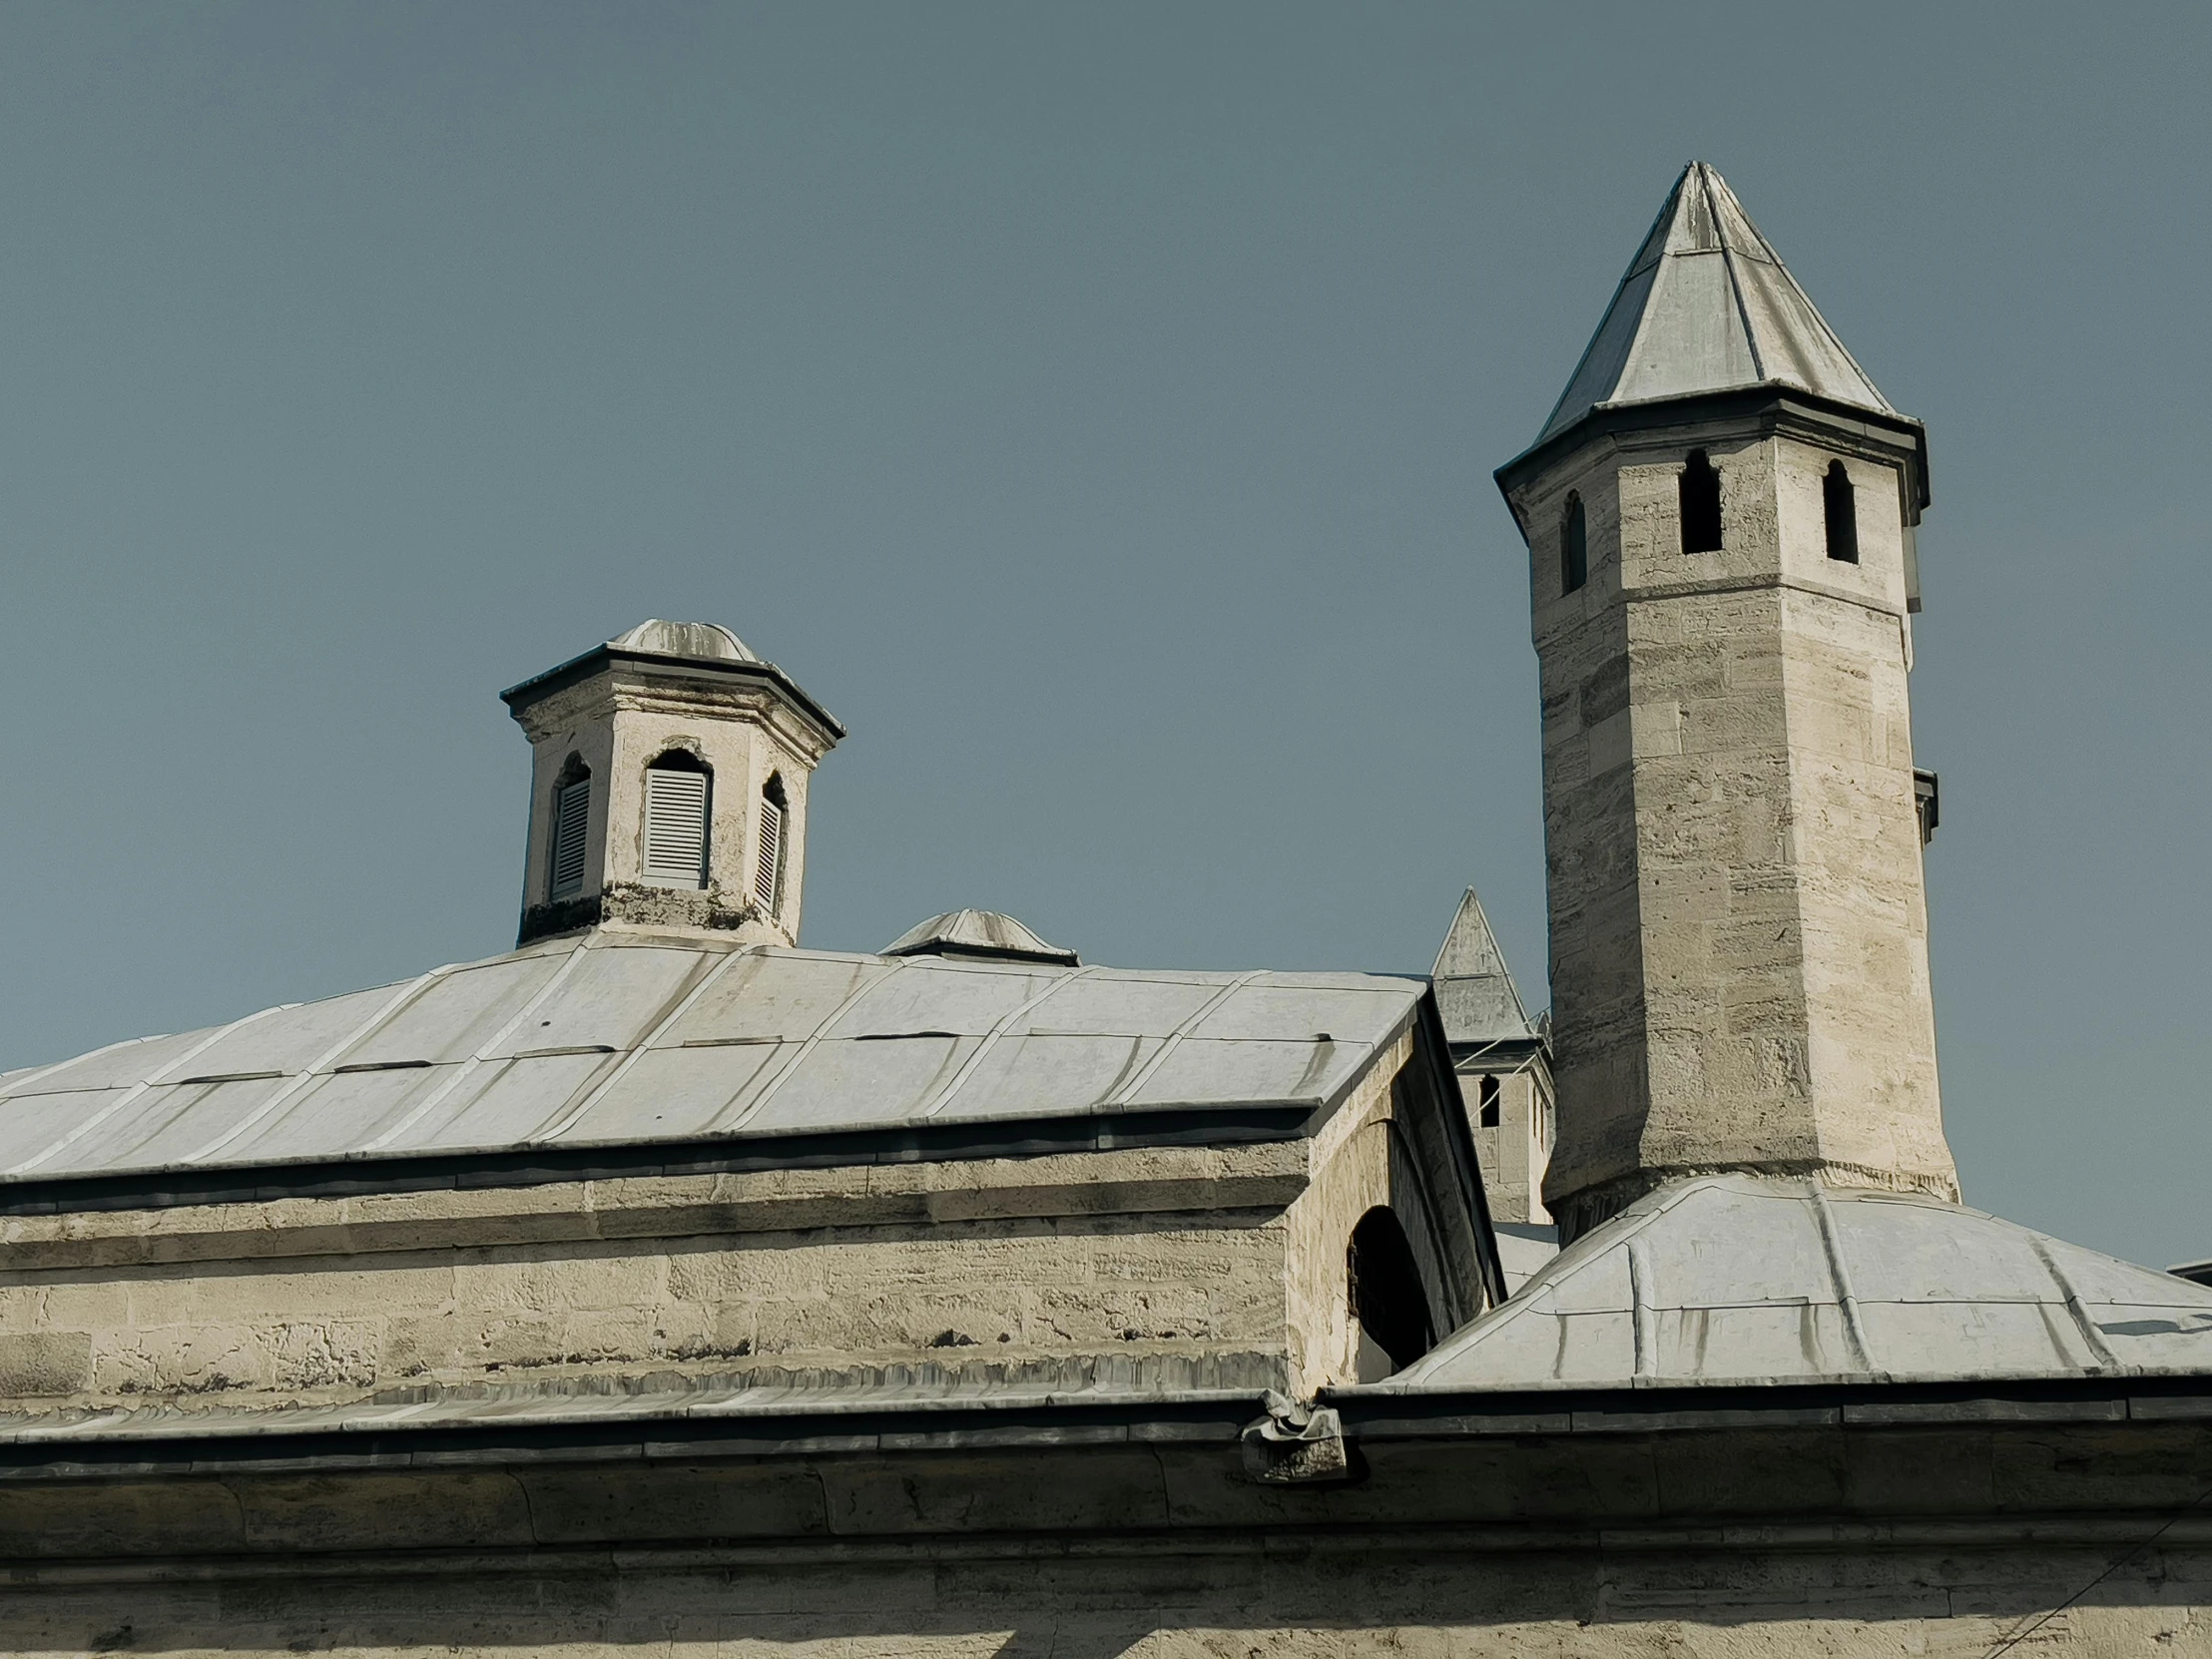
[161,1076]
[1636,262]
[466,1068]
[309,1072]
[943,1097]
[567,1119]
[813,1040]
[1735,278]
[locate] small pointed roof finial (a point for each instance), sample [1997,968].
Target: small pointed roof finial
[1706,305]
[1475,992]
[987,933]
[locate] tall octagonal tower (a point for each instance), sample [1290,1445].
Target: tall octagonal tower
[1720,521]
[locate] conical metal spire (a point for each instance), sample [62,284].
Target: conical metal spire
[1706,306]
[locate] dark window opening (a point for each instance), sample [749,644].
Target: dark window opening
[1485,1101]
[1574,547]
[1839,506]
[1926,802]
[768,861]
[1386,1298]
[1701,506]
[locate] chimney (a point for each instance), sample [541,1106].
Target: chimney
[668,787]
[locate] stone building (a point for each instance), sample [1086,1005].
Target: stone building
[663,1286]
[1503,1062]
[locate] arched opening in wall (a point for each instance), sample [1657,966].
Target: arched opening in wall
[1701,504]
[1485,1103]
[569,821]
[1839,507]
[1387,1302]
[768,864]
[676,790]
[1574,546]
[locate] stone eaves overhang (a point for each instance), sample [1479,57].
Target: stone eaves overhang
[1765,411]
[705,670]
[1244,1122]
[2091,1458]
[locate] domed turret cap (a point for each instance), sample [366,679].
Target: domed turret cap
[698,641]
[688,650]
[978,933]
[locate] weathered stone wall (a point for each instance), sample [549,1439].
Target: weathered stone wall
[1228,1259]
[1513,1151]
[1288,1599]
[1372,1154]
[1597,976]
[1139,1253]
[1721,1543]
[1739,927]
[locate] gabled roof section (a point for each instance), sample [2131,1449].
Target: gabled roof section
[1706,305]
[631,1042]
[1750,1280]
[1475,992]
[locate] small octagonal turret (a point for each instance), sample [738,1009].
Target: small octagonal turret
[669,786]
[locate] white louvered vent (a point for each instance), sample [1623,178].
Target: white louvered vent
[675,827]
[768,873]
[570,815]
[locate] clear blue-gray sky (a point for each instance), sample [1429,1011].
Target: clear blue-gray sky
[1095,407]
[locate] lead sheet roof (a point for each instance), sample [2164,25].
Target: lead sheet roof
[622,1037]
[1743,1279]
[1706,305]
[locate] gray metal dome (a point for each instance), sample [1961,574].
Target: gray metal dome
[708,641]
[1739,1279]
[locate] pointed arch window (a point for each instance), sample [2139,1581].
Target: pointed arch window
[566,844]
[677,786]
[1574,545]
[768,867]
[1701,504]
[1840,509]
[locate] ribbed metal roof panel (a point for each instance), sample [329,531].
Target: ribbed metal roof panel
[632,1036]
[1742,1279]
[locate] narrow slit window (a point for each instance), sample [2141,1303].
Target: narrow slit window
[768,868]
[1701,506]
[1574,547]
[1839,506]
[571,819]
[1487,1103]
[676,821]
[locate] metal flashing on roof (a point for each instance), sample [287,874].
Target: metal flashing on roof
[632,1047]
[1737,1279]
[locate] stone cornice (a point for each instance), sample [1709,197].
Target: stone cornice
[725,688]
